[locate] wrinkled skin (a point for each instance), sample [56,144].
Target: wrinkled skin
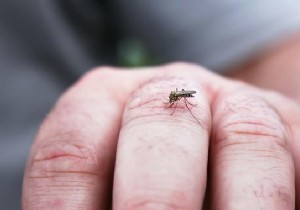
[110,143]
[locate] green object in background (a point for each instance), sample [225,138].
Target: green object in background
[132,53]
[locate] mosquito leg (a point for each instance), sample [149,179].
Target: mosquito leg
[178,99]
[190,103]
[171,104]
[168,105]
[186,101]
[175,107]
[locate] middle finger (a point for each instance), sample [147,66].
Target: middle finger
[162,157]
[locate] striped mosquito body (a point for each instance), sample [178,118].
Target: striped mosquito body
[176,96]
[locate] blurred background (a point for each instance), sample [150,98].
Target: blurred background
[46,45]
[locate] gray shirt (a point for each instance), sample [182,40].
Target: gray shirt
[46,45]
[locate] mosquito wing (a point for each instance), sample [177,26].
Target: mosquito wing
[185,92]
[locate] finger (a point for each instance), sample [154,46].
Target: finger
[72,159]
[291,112]
[295,145]
[251,162]
[162,158]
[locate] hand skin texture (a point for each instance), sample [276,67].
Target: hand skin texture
[110,143]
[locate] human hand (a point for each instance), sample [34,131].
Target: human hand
[110,143]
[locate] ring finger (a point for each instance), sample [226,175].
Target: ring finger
[252,166]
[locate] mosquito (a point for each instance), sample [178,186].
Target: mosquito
[176,96]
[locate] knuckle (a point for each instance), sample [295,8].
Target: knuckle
[67,107]
[151,102]
[66,154]
[250,131]
[58,169]
[99,72]
[182,67]
[63,163]
[250,120]
[181,64]
[62,127]
[153,203]
[104,74]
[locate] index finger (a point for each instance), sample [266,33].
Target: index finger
[72,159]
